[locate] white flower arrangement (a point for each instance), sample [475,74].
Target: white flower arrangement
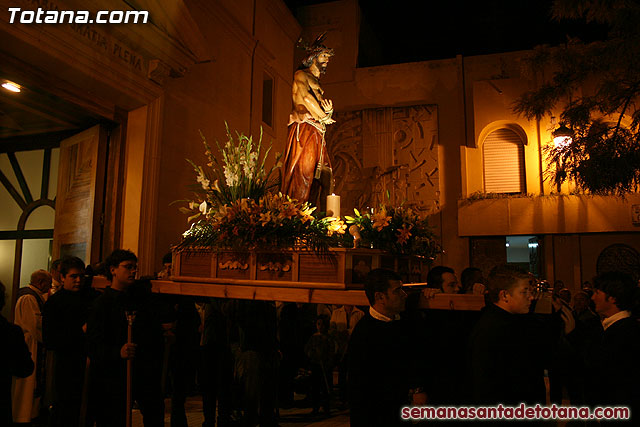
[241,174]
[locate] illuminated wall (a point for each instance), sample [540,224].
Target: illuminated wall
[474,97]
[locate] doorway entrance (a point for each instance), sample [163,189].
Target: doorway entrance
[33,124]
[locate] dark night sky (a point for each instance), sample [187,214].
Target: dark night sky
[407,31]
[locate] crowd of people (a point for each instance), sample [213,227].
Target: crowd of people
[82,357]
[588,352]
[245,358]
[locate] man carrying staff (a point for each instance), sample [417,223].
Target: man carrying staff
[109,348]
[307,172]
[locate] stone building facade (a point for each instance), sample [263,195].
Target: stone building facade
[122,106]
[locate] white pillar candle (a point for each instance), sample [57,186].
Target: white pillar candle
[333,206]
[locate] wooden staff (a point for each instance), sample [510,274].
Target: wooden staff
[85,394]
[131,315]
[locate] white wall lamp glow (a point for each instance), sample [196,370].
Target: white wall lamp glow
[562,136]
[11,86]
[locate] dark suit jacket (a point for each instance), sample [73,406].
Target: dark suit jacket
[382,366]
[15,360]
[615,367]
[446,340]
[506,358]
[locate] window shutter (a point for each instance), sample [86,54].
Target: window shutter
[503,162]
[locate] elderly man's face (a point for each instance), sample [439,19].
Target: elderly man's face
[44,284]
[519,297]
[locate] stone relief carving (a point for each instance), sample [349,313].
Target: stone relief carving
[389,152]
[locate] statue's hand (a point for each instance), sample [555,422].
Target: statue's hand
[327,106]
[327,120]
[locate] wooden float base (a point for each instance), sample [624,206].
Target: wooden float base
[238,289]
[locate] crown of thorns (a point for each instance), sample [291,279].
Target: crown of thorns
[314,49]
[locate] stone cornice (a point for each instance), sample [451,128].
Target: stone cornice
[82,55]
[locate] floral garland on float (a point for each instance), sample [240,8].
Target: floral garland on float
[397,230]
[236,205]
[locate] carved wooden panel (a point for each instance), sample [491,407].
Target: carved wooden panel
[327,269]
[391,150]
[234,265]
[195,264]
[274,267]
[362,265]
[79,196]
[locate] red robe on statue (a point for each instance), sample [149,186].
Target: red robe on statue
[305,148]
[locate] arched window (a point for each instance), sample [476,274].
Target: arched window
[27,195]
[503,153]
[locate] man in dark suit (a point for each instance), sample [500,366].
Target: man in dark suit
[615,363]
[63,331]
[504,346]
[383,364]
[109,349]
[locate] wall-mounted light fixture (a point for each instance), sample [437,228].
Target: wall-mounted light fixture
[11,86]
[562,136]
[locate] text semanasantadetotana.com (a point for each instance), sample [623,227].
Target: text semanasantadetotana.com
[41,16]
[521,412]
